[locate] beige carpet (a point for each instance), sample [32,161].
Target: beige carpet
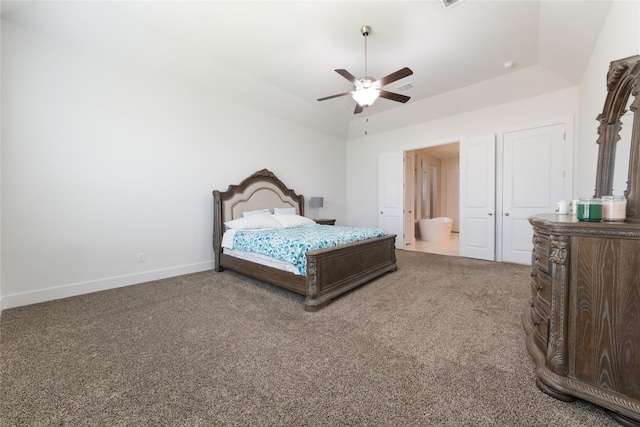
[439,342]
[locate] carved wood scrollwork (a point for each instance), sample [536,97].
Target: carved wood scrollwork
[557,359]
[623,81]
[312,288]
[558,250]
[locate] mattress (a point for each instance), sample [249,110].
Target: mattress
[290,245]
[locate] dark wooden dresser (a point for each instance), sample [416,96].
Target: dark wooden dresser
[583,320]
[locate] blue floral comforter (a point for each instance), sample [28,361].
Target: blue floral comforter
[291,244]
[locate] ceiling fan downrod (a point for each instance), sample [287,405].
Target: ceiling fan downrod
[365,30]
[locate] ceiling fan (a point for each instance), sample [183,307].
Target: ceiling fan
[367,89]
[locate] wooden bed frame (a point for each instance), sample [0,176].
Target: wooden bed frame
[330,272]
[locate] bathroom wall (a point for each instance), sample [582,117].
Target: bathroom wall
[450,190]
[430,160]
[447,201]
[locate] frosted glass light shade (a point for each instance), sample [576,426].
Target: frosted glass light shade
[365,96]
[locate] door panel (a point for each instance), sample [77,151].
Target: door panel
[533,180]
[477,197]
[521,236]
[390,194]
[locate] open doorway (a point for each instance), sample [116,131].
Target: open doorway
[434,204]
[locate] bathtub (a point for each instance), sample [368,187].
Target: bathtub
[435,229]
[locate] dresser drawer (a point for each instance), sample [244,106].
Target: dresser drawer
[534,291]
[541,251]
[541,243]
[543,284]
[541,327]
[542,262]
[539,303]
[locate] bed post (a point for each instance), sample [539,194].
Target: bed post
[217,230]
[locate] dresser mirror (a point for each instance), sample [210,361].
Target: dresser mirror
[619,136]
[623,151]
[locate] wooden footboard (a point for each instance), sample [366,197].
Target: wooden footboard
[283,279]
[332,272]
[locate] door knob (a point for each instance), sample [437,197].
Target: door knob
[506,214]
[490,213]
[381,212]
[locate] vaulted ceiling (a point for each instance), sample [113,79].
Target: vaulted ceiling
[280,57]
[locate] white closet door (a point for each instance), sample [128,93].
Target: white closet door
[478,197]
[533,181]
[391,194]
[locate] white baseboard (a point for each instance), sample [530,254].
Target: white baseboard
[50,294]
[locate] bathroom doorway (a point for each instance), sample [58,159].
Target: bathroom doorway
[436,184]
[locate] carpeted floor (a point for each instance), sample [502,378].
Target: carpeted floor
[439,342]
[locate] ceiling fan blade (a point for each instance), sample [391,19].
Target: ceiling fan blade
[334,96]
[347,75]
[358,109]
[404,72]
[394,96]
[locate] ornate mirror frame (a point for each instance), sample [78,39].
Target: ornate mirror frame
[623,81]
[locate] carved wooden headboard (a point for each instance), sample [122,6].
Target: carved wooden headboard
[262,190]
[257,195]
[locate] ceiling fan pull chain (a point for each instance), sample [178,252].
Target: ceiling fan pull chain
[366,120]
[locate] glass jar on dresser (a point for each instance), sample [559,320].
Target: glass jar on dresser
[583,320]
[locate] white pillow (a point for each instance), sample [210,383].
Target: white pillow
[258,212]
[253,222]
[288,221]
[284,211]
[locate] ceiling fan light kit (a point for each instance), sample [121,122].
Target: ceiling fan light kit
[366,92]
[368,89]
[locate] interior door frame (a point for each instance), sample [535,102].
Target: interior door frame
[401,154]
[409,190]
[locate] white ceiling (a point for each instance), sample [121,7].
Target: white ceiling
[280,56]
